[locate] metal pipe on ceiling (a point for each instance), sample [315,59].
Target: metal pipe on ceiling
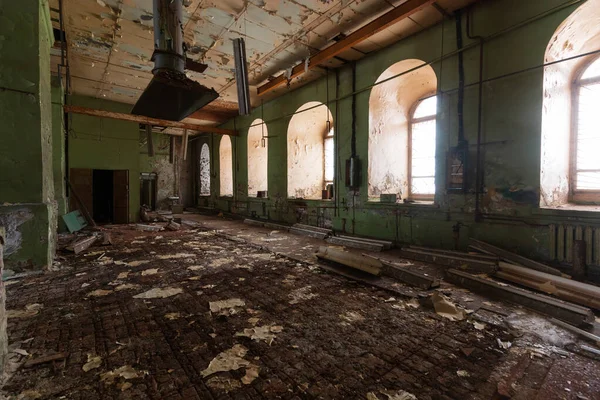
[455,52]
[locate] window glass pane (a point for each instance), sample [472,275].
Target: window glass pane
[423,167]
[587,154]
[329,161]
[423,157]
[426,108]
[423,186]
[588,180]
[592,71]
[588,128]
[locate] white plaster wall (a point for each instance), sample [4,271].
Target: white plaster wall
[225,167]
[306,133]
[390,105]
[257,158]
[578,34]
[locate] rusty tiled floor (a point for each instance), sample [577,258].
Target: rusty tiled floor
[327,337]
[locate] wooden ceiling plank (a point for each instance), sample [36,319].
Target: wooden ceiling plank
[147,120]
[403,11]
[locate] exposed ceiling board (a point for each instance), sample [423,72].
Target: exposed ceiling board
[110,42]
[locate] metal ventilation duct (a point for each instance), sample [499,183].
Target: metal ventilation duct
[241,76]
[170,95]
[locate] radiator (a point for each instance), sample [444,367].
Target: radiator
[561,242]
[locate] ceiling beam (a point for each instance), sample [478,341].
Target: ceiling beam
[147,120]
[386,20]
[212,116]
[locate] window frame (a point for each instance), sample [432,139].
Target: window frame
[412,121]
[200,186]
[329,135]
[579,196]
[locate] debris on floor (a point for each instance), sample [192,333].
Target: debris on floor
[445,308]
[228,360]
[226,307]
[266,333]
[159,293]
[93,362]
[279,327]
[30,310]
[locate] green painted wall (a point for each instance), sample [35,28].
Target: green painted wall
[28,209]
[104,143]
[58,151]
[511,133]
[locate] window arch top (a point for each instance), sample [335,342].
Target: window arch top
[426,108]
[592,71]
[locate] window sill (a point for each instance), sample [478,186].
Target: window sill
[311,201]
[256,199]
[413,204]
[581,210]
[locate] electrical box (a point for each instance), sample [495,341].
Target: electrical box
[456,169]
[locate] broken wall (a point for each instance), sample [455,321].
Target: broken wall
[225,167]
[578,34]
[306,151]
[27,205]
[105,143]
[160,165]
[512,111]
[390,106]
[258,157]
[58,151]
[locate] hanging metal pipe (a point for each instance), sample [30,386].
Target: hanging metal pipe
[168,36]
[478,166]
[461,79]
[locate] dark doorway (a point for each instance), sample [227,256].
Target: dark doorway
[103,196]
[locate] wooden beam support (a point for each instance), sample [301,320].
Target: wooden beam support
[147,120]
[212,116]
[184,144]
[390,18]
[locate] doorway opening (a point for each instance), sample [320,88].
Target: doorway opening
[103,193]
[103,196]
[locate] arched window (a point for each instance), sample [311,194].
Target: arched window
[422,150]
[397,121]
[569,169]
[584,150]
[310,151]
[204,171]
[258,153]
[225,167]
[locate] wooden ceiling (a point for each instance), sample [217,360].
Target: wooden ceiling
[110,42]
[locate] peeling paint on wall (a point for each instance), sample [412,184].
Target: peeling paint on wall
[578,34]
[225,167]
[257,158]
[390,105]
[306,151]
[12,221]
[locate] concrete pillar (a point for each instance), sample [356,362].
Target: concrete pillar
[58,151]
[3,334]
[27,205]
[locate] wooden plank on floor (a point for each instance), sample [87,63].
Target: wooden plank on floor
[567,312]
[461,263]
[514,258]
[368,246]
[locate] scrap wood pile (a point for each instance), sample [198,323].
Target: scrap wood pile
[485,270]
